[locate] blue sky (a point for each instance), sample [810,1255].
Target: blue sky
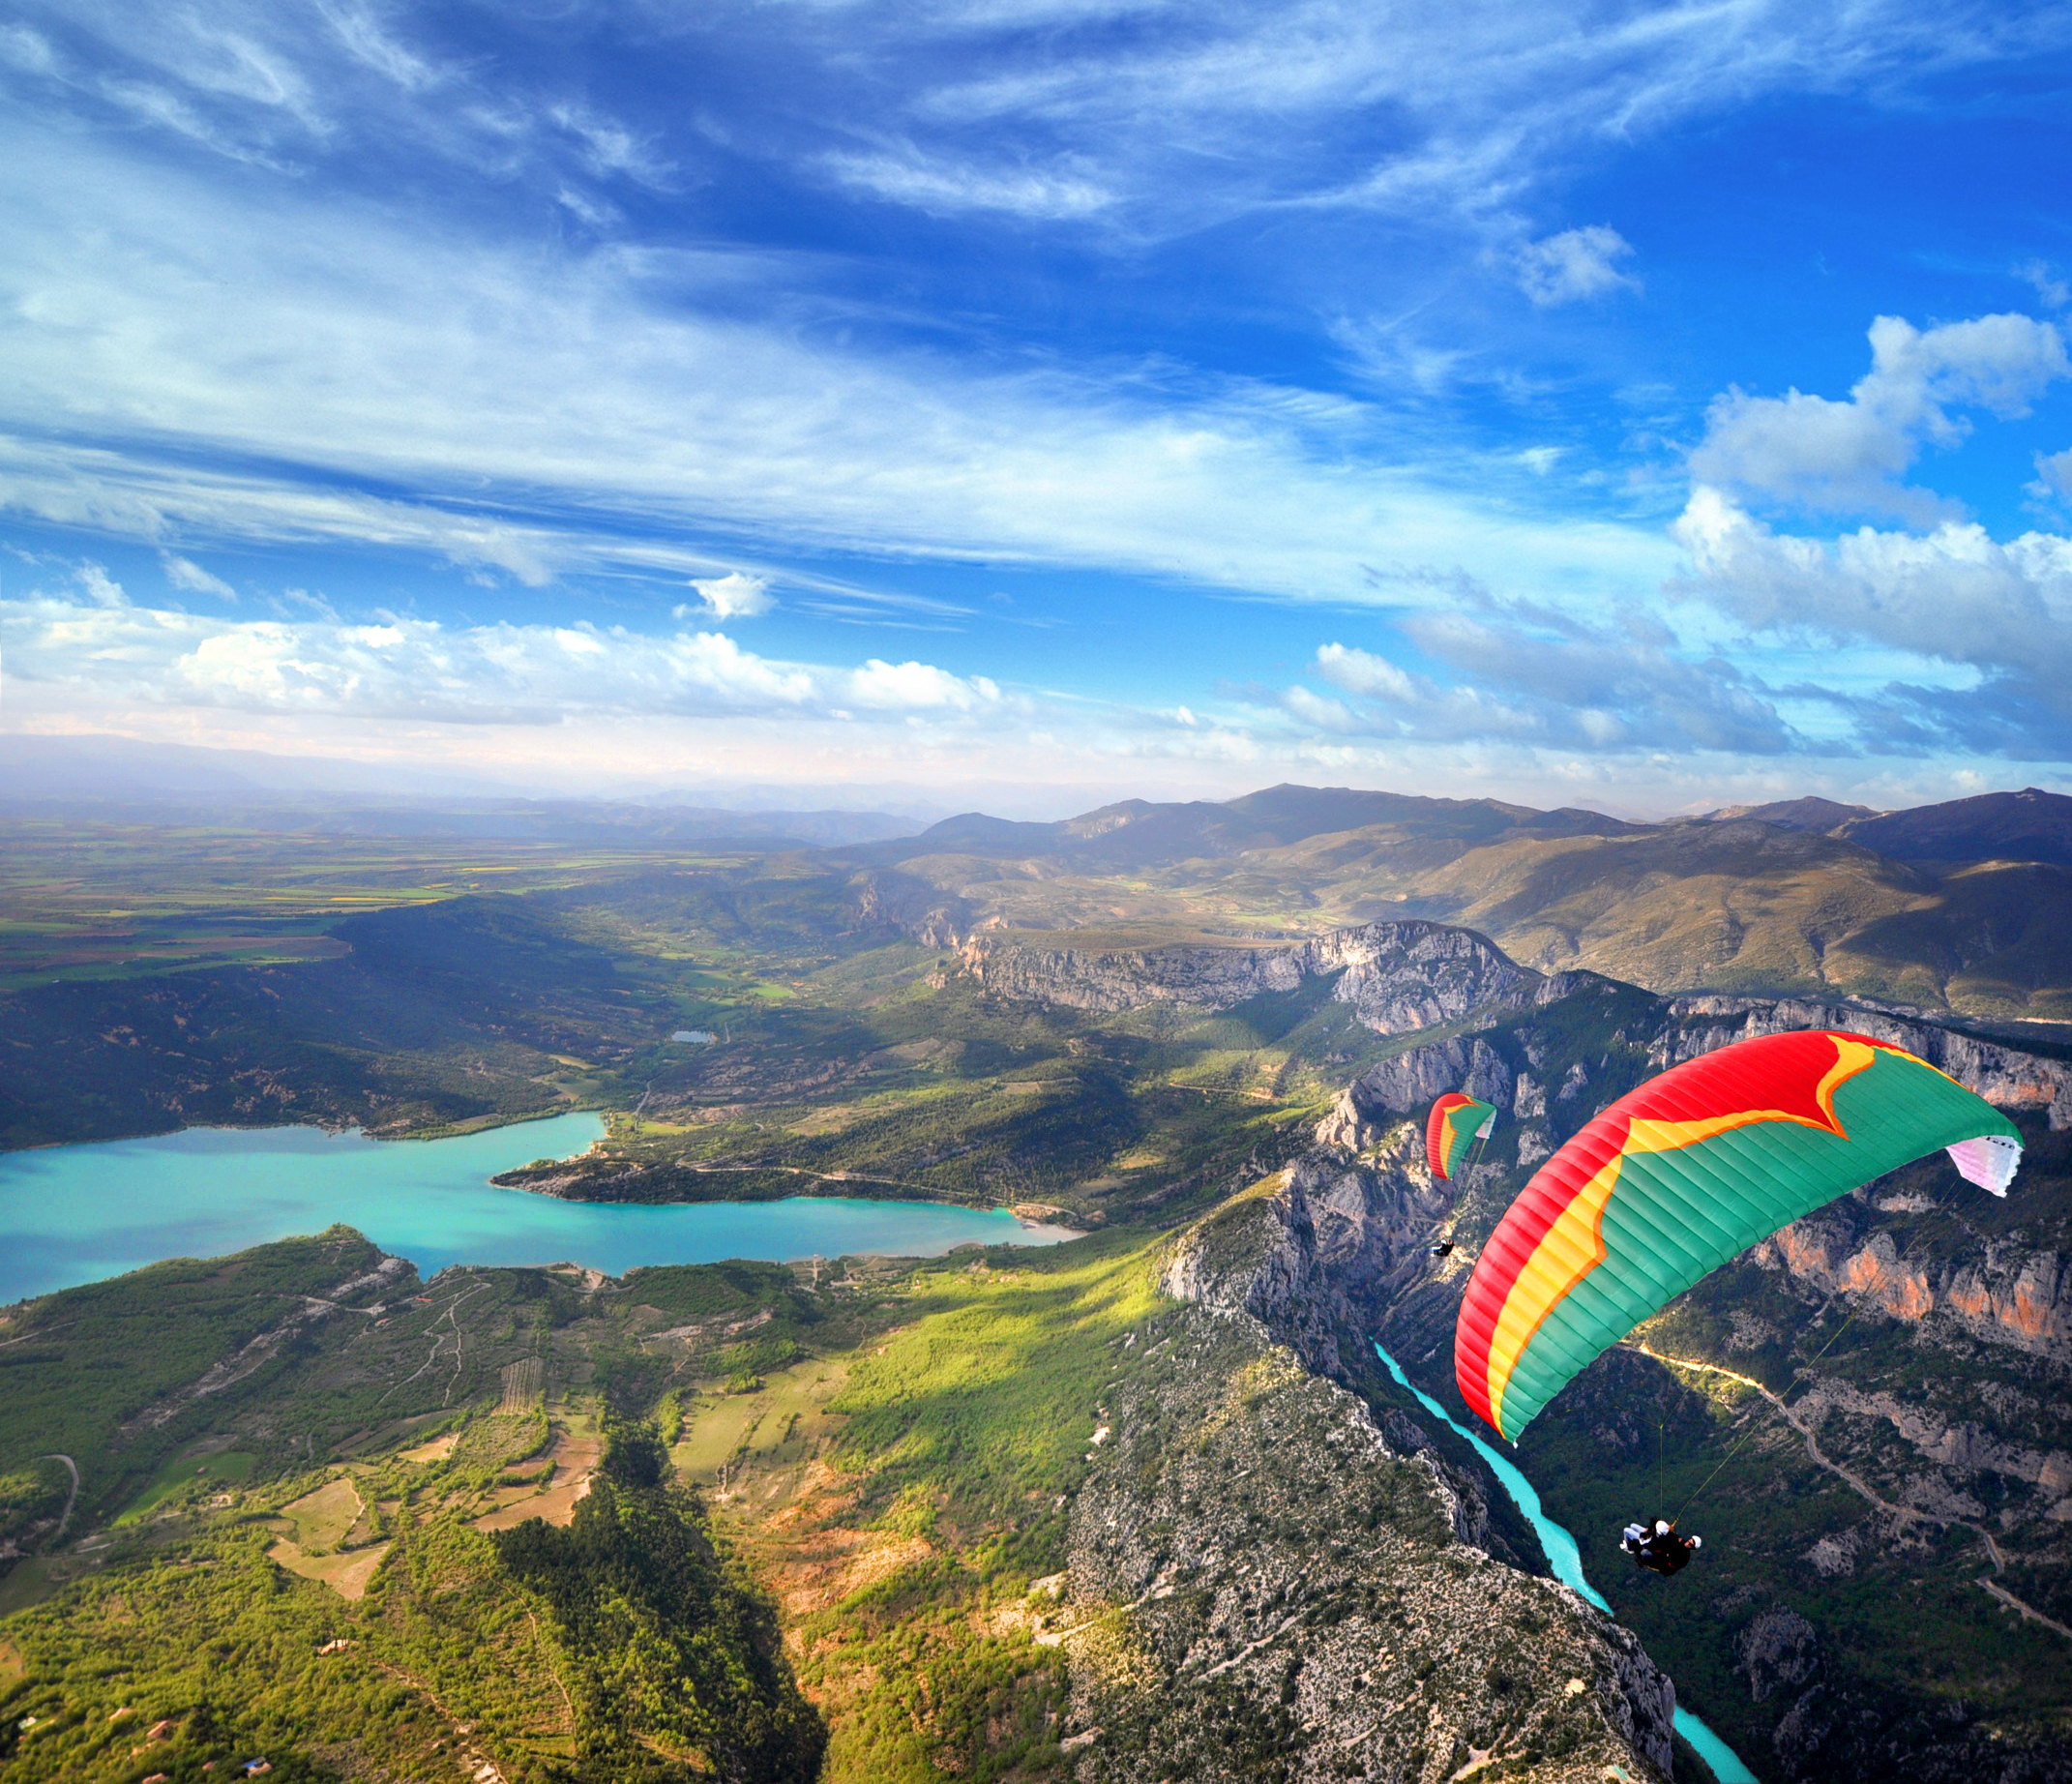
[1037,401]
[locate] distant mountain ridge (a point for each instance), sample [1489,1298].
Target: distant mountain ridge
[2029,825]
[1140,832]
[1965,906]
[1821,815]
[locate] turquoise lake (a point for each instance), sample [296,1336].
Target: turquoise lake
[73,1215]
[1566,1560]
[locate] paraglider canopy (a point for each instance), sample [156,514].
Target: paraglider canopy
[1456,1123]
[1682,1174]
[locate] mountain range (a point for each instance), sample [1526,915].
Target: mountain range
[1962,907]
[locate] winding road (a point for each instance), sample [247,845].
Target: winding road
[1905,1514]
[71,1498]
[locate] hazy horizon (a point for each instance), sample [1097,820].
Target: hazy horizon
[97,769]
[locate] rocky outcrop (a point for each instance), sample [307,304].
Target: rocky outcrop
[1294,1252]
[1399,977]
[1271,1585]
[1964,1446]
[1406,1084]
[2000,1290]
[1778,1649]
[2004,1076]
[922,912]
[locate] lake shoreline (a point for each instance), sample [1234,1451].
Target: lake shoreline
[85,1212]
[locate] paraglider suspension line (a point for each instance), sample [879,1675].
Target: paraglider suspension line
[1476,1157]
[1919,1234]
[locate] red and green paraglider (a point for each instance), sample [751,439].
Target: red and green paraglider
[1686,1172]
[1457,1121]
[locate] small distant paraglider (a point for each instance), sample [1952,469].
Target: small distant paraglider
[1458,1124]
[1683,1174]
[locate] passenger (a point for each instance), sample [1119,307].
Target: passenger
[1658,1548]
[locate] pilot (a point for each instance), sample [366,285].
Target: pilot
[1658,1548]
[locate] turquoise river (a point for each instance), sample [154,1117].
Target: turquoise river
[1566,1560]
[73,1215]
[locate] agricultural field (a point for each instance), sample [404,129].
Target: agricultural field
[874,1462]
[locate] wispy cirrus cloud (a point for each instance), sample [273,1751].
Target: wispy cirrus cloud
[1184,114]
[524,407]
[185,574]
[946,188]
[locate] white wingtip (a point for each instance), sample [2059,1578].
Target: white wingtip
[1990,1161]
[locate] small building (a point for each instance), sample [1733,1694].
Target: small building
[694,1037]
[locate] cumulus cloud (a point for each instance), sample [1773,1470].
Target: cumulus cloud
[918,687]
[1360,671]
[1952,596]
[1849,456]
[1577,263]
[1532,675]
[737,594]
[93,637]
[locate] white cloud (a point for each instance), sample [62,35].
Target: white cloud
[1359,672]
[2001,611]
[947,187]
[404,666]
[370,41]
[1577,263]
[2053,474]
[1534,676]
[609,148]
[551,414]
[2045,282]
[1848,457]
[101,588]
[26,49]
[1198,112]
[733,596]
[919,687]
[185,573]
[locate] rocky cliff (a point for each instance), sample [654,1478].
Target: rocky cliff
[1397,977]
[1268,1584]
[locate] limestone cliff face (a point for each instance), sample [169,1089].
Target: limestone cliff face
[923,912]
[1399,977]
[2002,1292]
[1294,1255]
[1406,1084]
[1298,1587]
